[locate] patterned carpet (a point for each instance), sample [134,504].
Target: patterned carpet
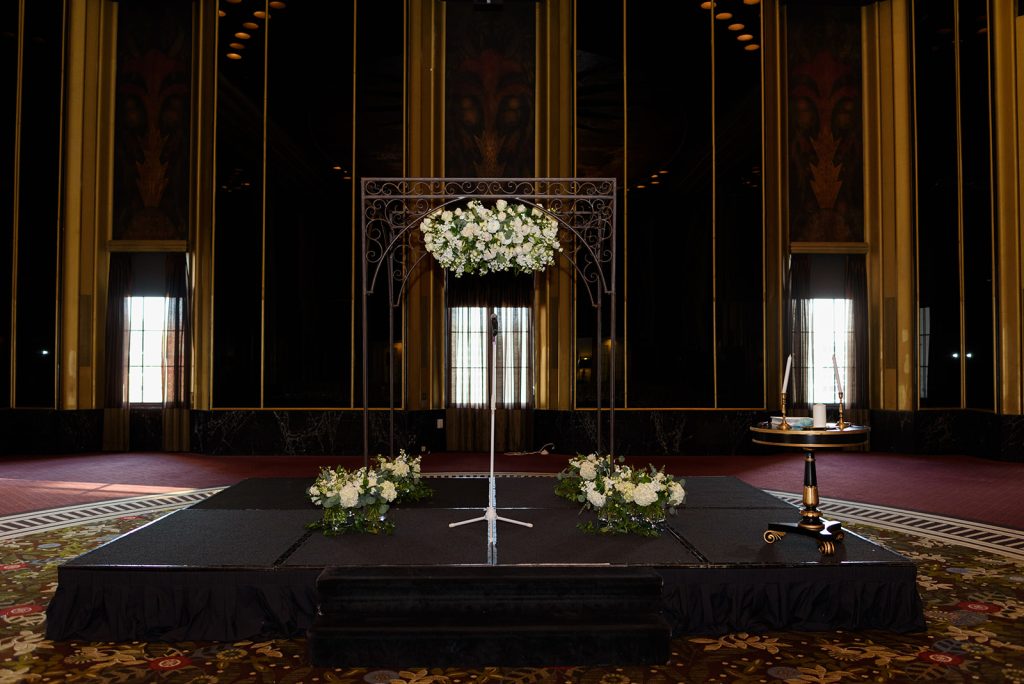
[971,579]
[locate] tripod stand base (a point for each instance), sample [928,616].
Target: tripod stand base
[490,515]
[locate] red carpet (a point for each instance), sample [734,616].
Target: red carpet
[958,486]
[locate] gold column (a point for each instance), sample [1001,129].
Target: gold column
[204,120]
[776,182]
[889,209]
[1007,41]
[553,303]
[88,183]
[424,301]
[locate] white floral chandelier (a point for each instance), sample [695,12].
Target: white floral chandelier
[478,239]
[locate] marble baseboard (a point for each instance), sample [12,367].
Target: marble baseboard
[974,433]
[47,431]
[313,432]
[649,432]
[637,432]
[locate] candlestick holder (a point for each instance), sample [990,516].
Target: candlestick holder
[784,425]
[841,424]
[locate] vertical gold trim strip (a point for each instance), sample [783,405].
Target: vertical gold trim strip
[355,226]
[73,150]
[263,205]
[598,344]
[16,203]
[917,194]
[714,216]
[959,201]
[763,62]
[992,213]
[573,285]
[775,184]
[58,253]
[206,311]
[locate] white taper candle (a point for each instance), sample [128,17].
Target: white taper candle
[785,378]
[835,369]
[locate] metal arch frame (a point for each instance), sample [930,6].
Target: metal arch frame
[392,208]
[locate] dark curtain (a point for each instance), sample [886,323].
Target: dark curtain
[801,333]
[119,285]
[178,347]
[470,301]
[856,291]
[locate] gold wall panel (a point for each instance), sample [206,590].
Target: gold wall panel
[204,113]
[889,210]
[88,184]
[555,95]
[1007,35]
[775,183]
[424,300]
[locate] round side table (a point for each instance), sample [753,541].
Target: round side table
[828,533]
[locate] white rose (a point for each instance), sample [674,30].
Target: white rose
[388,491]
[501,204]
[400,468]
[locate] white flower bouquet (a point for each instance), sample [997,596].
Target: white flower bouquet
[626,500]
[358,500]
[480,239]
[404,471]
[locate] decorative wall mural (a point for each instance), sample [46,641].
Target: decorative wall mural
[151,125]
[826,173]
[490,86]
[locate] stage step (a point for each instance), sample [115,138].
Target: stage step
[488,616]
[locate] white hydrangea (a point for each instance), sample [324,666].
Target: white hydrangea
[596,498]
[676,493]
[588,471]
[645,494]
[388,491]
[349,495]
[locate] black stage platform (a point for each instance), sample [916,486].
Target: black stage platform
[241,563]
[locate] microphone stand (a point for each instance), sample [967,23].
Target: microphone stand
[490,515]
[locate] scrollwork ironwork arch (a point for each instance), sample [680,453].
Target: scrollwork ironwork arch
[392,209]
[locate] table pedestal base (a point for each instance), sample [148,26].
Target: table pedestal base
[828,535]
[827,532]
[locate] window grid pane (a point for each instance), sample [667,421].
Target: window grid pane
[470,352]
[829,329]
[146,346]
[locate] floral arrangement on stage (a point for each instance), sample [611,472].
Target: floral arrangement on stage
[626,500]
[358,500]
[480,239]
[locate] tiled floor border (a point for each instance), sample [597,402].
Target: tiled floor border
[999,540]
